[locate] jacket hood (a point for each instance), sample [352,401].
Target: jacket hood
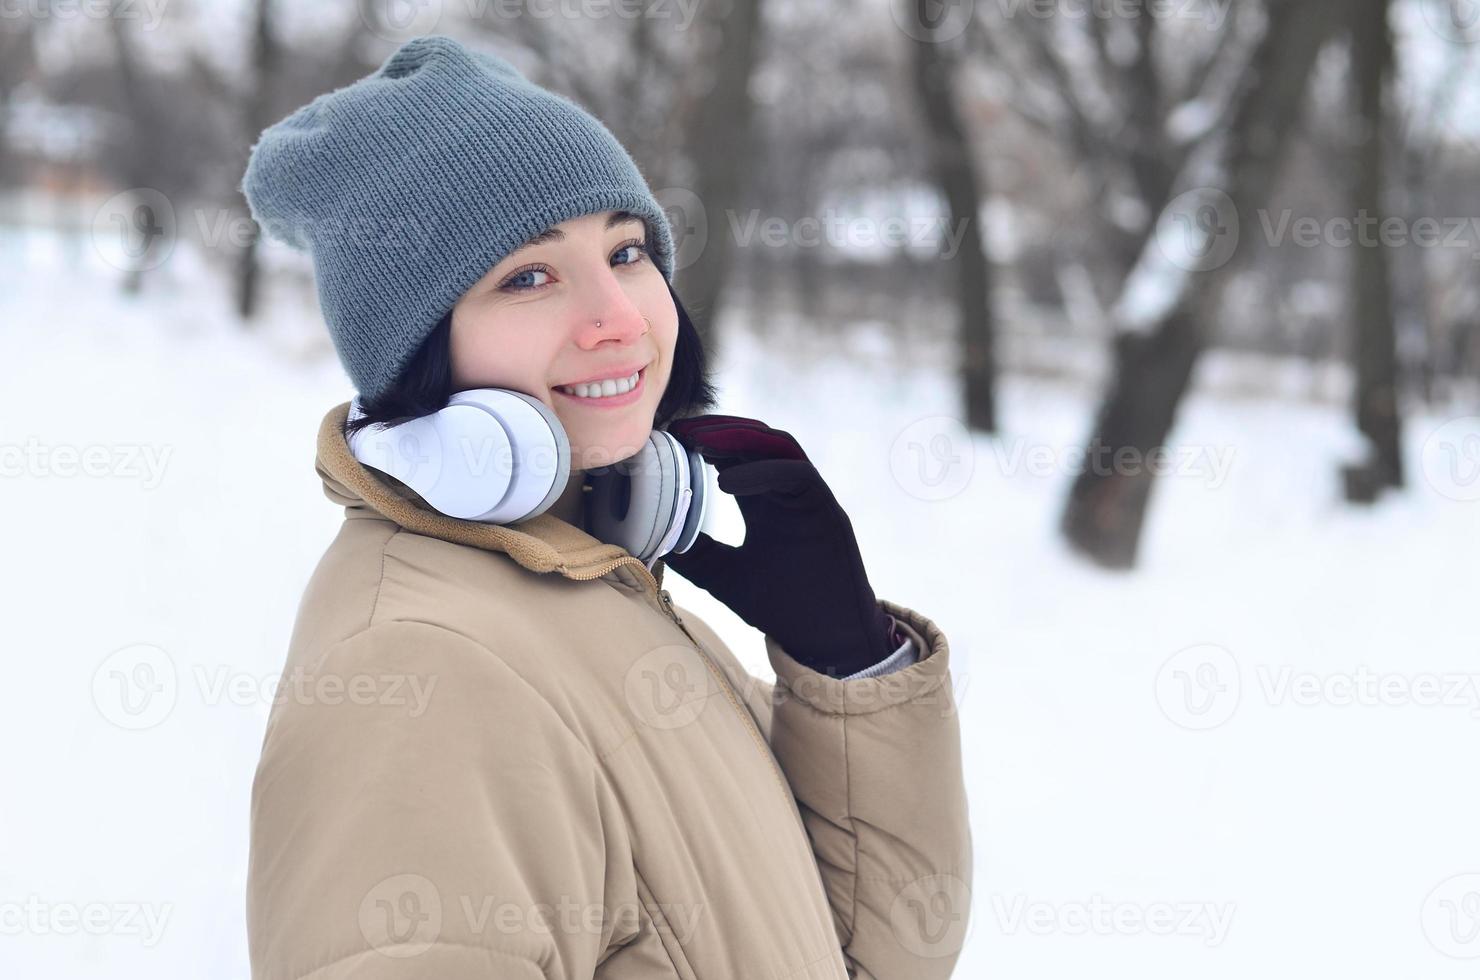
[542,544]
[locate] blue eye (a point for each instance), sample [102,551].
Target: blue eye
[512,281]
[640,246]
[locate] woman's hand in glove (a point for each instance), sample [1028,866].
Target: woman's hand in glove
[798,575]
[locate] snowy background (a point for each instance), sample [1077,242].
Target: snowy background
[1254,755]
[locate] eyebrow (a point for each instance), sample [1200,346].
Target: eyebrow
[556,235]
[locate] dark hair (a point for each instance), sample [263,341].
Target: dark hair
[425,383]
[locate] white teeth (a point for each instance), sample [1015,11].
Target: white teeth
[602,389]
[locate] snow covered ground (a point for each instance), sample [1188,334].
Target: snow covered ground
[1255,755]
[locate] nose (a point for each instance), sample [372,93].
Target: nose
[621,321]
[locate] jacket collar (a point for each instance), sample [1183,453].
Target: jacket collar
[542,544]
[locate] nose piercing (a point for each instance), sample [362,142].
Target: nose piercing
[644,320]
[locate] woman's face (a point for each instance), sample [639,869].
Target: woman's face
[530,325]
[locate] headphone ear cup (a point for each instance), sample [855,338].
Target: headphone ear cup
[411,451]
[536,452]
[492,455]
[631,502]
[699,477]
[654,503]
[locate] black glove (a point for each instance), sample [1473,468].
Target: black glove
[798,575]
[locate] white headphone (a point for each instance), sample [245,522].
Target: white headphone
[501,456]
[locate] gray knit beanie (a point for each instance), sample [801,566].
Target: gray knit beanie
[407,186]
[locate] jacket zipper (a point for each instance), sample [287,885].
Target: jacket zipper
[666,605]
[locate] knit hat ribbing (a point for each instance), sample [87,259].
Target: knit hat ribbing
[408,185]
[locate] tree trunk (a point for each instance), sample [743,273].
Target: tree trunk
[718,141]
[256,118]
[962,187]
[1106,510]
[17,59]
[1374,347]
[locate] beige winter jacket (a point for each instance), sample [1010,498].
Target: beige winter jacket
[502,752]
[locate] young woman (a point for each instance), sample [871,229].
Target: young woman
[501,750]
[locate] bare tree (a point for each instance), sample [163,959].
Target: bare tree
[1373,334]
[1129,99]
[17,60]
[139,152]
[718,143]
[256,116]
[1163,315]
[963,188]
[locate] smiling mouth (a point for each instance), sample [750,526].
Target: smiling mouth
[611,392]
